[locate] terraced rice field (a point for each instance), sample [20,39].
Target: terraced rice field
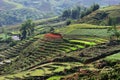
[14,51]
[37,52]
[85,30]
[49,48]
[42,70]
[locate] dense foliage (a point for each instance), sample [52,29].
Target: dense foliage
[27,29]
[17,16]
[79,12]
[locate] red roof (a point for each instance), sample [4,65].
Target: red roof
[53,35]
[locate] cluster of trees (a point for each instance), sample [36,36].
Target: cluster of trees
[72,13]
[79,12]
[87,11]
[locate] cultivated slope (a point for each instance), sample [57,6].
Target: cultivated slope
[101,16]
[38,51]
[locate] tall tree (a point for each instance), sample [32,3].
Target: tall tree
[94,7]
[27,29]
[113,30]
[66,14]
[76,13]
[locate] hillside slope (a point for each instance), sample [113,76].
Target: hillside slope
[45,8]
[5,6]
[100,17]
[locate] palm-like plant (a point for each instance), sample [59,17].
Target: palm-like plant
[27,29]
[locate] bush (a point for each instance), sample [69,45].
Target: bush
[68,22]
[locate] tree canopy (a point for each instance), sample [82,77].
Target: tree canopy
[27,29]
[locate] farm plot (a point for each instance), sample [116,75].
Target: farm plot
[43,70]
[97,52]
[113,57]
[41,52]
[85,30]
[90,32]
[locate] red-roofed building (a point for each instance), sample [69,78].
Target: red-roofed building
[53,37]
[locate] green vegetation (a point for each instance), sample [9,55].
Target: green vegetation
[85,30]
[85,42]
[42,48]
[16,16]
[78,51]
[113,57]
[41,70]
[55,78]
[101,16]
[115,7]
[79,12]
[27,29]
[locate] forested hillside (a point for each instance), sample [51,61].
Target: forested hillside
[5,6]
[37,9]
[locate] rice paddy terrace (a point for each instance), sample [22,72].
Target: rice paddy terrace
[36,52]
[45,59]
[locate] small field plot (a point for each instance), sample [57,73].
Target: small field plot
[85,30]
[84,42]
[113,57]
[90,32]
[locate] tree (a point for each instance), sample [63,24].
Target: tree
[68,22]
[66,14]
[110,21]
[27,29]
[72,13]
[4,31]
[52,29]
[94,7]
[82,14]
[113,31]
[76,13]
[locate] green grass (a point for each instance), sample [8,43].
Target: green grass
[85,30]
[73,48]
[97,40]
[80,46]
[95,17]
[15,32]
[110,8]
[85,42]
[54,78]
[114,57]
[81,26]
[3,36]
[45,20]
[90,32]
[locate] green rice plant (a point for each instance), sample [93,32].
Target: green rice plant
[113,57]
[80,46]
[85,42]
[54,78]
